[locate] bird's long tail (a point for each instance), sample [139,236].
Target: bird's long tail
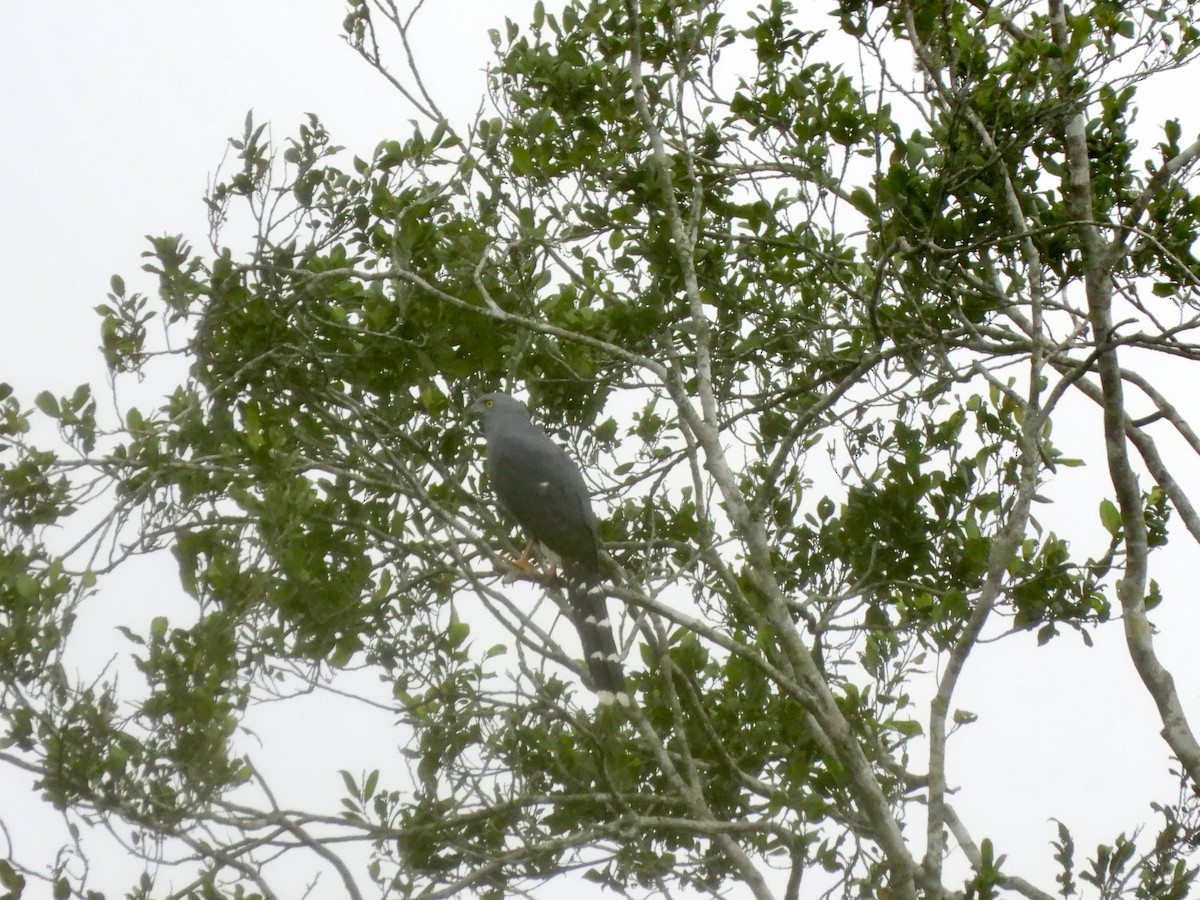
[589,614]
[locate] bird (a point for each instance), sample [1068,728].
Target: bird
[541,487]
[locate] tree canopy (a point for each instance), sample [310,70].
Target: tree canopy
[806,294]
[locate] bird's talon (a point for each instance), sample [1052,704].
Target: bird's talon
[523,562]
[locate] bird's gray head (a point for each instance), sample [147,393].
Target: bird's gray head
[498,408]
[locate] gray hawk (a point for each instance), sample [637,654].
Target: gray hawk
[542,488]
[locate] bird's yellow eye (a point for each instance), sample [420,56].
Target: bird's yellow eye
[489,403]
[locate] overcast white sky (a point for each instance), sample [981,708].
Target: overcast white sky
[115,115]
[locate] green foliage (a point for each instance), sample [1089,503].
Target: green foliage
[988,876]
[709,273]
[1162,873]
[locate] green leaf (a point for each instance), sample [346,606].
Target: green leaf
[1173,130]
[906,727]
[47,403]
[11,880]
[253,425]
[864,202]
[457,633]
[1110,517]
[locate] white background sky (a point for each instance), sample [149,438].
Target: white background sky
[114,116]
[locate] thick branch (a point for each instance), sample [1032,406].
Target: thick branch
[704,427]
[1097,264]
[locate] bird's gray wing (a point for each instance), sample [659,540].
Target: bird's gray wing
[539,484]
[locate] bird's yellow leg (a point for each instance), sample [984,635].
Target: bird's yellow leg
[527,568]
[523,562]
